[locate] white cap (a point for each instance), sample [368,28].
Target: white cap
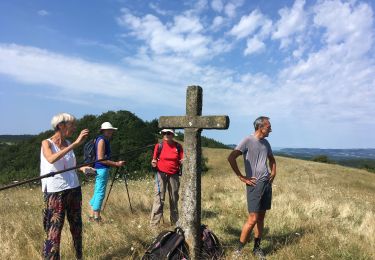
[106,126]
[166,131]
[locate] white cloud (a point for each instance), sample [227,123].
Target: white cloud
[43,13]
[184,36]
[292,20]
[346,23]
[217,5]
[250,23]
[74,75]
[254,45]
[157,9]
[217,22]
[231,7]
[336,81]
[199,6]
[186,24]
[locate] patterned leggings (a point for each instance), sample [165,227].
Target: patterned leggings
[56,205]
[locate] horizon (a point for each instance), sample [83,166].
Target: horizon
[308,65]
[276,148]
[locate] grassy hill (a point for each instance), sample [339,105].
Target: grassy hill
[319,211]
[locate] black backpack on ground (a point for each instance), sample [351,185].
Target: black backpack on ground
[169,245]
[211,247]
[89,153]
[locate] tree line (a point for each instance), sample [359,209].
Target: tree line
[20,156]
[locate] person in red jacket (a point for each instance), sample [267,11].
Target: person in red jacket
[167,159]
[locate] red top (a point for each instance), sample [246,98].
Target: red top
[169,159]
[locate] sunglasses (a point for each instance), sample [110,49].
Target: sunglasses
[168,133]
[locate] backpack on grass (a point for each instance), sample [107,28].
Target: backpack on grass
[211,247]
[169,245]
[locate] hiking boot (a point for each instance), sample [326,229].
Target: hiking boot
[258,253]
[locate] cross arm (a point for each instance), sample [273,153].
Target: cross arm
[201,122]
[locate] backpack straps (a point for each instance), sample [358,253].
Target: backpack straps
[160,147]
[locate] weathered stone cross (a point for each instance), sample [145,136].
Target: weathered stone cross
[193,123]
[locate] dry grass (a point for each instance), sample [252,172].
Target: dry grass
[319,211]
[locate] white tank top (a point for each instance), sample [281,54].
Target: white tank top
[59,182]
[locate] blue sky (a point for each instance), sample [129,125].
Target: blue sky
[308,65]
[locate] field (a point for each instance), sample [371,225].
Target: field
[319,211]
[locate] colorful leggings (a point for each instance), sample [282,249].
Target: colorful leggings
[56,205]
[99,190]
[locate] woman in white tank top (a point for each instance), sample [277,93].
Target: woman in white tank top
[62,192]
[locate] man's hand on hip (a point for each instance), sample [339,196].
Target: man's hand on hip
[249,181]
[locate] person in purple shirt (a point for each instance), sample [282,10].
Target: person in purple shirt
[103,151]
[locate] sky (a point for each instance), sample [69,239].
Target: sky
[308,65]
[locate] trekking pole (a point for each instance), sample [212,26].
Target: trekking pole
[127,190]
[159,192]
[110,188]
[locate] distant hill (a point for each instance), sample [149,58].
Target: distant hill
[11,139]
[332,153]
[357,158]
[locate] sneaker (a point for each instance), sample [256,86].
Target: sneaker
[98,220]
[91,218]
[237,254]
[258,252]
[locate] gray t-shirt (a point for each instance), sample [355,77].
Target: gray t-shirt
[255,152]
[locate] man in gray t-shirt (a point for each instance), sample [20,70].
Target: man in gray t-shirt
[255,150]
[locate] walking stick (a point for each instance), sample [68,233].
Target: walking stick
[158,184]
[110,188]
[127,191]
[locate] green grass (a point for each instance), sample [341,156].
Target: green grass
[319,211]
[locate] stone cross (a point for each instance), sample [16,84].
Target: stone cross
[192,123]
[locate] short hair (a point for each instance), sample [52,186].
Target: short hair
[61,118]
[259,122]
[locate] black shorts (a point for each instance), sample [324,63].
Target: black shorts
[259,197]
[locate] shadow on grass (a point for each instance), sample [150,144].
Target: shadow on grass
[206,214]
[275,241]
[128,252]
[278,241]
[235,233]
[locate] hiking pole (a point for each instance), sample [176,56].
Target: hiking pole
[51,174]
[127,190]
[110,188]
[159,192]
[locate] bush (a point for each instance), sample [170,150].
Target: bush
[322,158]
